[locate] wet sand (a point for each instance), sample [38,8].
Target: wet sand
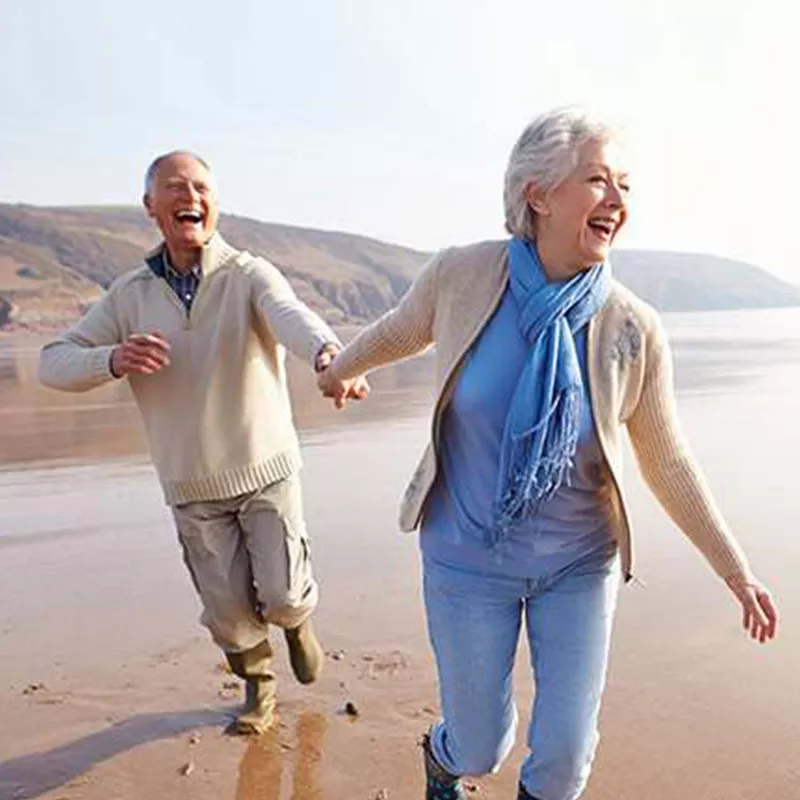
[110,689]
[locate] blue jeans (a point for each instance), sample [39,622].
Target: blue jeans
[474,622]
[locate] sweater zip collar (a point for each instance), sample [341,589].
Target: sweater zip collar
[214,253]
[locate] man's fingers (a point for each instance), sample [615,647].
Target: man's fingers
[151,350]
[146,350]
[149,340]
[160,337]
[142,363]
[145,367]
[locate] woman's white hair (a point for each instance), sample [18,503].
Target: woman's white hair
[544,155]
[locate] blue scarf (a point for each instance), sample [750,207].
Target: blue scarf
[541,432]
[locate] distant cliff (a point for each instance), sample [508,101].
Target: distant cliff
[54,263]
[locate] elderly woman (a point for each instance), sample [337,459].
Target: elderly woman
[541,359]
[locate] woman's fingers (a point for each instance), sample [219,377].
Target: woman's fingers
[747,615]
[769,610]
[759,613]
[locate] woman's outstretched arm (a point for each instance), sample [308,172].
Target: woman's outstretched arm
[676,480]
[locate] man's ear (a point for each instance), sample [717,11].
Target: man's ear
[538,200]
[148,206]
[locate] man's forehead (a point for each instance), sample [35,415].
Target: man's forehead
[181,165]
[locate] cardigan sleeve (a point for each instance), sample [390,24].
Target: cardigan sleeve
[670,470]
[405,331]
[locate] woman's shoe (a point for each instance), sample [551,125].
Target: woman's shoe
[439,783]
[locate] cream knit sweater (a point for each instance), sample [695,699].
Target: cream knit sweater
[218,418]
[630,383]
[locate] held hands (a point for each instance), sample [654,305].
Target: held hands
[759,614]
[331,386]
[141,354]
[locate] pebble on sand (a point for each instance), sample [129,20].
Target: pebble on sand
[350,709]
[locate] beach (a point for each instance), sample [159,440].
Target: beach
[109,688]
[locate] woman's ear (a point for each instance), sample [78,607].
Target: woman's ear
[537,200]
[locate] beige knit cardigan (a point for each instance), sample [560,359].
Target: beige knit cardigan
[630,385]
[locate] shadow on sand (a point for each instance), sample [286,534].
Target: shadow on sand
[31,776]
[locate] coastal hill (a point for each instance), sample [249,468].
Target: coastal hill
[55,262]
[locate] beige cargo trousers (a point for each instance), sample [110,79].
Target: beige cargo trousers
[250,562]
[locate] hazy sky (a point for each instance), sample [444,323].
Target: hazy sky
[394,119]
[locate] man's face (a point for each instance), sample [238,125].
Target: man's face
[183,202]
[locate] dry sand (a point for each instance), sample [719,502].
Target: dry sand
[110,689]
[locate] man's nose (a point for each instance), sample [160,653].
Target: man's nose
[188,191]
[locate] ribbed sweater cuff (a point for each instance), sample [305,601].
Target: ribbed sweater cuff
[100,364]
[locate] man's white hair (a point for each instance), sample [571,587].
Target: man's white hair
[152,170]
[544,155]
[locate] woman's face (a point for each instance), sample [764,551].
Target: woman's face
[578,219]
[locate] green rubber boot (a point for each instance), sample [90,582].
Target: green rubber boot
[253,667]
[305,652]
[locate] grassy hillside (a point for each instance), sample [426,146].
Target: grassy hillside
[54,263]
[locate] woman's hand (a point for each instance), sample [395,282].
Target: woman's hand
[340,391]
[759,614]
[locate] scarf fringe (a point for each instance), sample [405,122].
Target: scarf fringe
[536,478]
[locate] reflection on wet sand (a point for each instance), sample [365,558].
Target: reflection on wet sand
[712,352]
[42,425]
[261,769]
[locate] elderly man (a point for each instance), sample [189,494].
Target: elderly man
[199,330]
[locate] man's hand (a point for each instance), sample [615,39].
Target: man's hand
[759,614]
[342,391]
[140,353]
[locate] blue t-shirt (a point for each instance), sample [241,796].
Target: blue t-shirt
[458,514]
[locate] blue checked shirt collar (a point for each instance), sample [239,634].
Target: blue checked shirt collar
[184,285]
